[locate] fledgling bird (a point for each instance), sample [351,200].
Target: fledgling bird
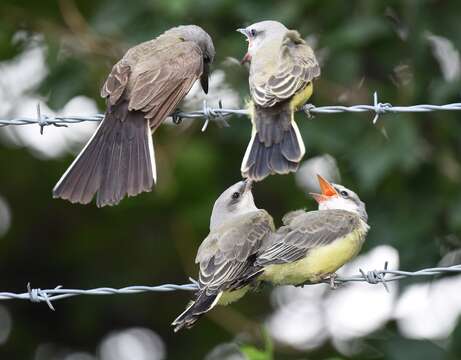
[312,245]
[238,229]
[282,69]
[143,88]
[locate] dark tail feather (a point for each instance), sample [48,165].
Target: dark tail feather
[276,145]
[116,162]
[202,304]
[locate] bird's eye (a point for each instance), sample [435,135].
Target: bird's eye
[344,194]
[235,195]
[206,58]
[253,32]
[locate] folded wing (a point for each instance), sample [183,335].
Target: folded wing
[227,255]
[297,66]
[305,232]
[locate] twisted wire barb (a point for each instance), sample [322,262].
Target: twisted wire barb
[219,114]
[371,277]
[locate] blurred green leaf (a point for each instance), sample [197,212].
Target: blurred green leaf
[410,181]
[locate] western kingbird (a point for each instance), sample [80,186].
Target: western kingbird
[238,229]
[282,69]
[312,245]
[143,88]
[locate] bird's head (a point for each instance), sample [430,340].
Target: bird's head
[258,33]
[203,40]
[234,201]
[335,196]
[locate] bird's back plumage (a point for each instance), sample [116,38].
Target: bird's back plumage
[311,245]
[280,70]
[308,230]
[142,89]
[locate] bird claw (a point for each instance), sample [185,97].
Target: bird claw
[307,108]
[176,117]
[332,280]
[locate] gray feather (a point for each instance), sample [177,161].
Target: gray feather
[202,303]
[225,254]
[120,145]
[276,148]
[304,231]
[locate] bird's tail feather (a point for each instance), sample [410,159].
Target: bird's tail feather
[276,145]
[117,161]
[202,304]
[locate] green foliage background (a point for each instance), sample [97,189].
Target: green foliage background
[410,180]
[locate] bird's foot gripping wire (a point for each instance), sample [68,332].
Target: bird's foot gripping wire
[176,117]
[332,280]
[307,108]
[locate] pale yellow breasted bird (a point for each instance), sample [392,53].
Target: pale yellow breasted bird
[238,230]
[282,68]
[311,246]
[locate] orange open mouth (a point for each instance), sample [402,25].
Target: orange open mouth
[328,191]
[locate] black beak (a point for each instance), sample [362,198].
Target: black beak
[204,77]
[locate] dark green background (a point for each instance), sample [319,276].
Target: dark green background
[410,180]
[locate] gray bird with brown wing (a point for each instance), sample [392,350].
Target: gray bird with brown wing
[143,88]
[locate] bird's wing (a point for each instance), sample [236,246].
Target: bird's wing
[227,254]
[296,67]
[162,79]
[309,230]
[290,216]
[116,82]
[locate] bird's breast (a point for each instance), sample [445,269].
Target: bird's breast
[319,262]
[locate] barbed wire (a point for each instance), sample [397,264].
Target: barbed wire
[219,114]
[374,277]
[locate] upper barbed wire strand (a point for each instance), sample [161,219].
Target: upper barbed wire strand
[219,113]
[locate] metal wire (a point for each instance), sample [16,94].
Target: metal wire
[219,114]
[371,277]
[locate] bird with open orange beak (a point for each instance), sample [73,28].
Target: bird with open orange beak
[312,245]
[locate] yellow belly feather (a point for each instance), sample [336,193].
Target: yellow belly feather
[301,97]
[319,263]
[228,297]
